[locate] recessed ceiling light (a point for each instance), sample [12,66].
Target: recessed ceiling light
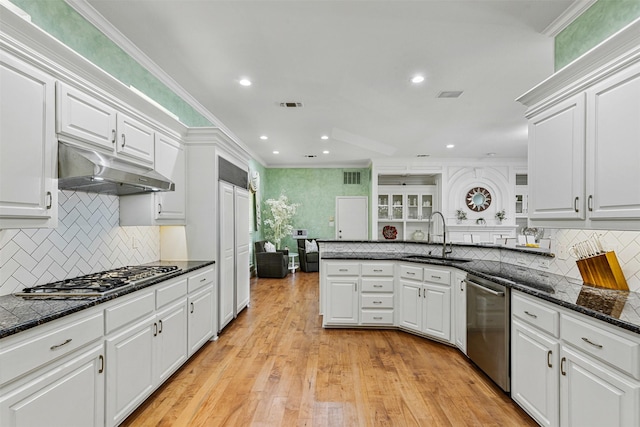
[491,154]
[245,82]
[276,152]
[324,137]
[450,145]
[325,152]
[417,79]
[264,137]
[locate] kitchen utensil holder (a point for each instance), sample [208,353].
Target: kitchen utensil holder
[603,270]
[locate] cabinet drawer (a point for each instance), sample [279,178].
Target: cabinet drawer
[343,269]
[409,272]
[598,342]
[200,280]
[377,317]
[543,318]
[59,339]
[377,269]
[377,301]
[170,292]
[377,285]
[437,276]
[137,306]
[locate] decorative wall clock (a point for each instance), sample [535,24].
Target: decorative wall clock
[478,199]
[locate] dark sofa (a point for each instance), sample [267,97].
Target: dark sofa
[271,264]
[308,261]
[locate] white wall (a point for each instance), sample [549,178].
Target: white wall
[88,239]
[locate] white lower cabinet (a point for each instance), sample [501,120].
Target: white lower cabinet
[341,281]
[459,290]
[425,301]
[571,370]
[377,298]
[171,341]
[201,325]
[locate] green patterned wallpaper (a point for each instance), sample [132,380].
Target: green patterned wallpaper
[597,23]
[316,191]
[65,24]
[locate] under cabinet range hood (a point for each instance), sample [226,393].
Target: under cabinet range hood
[94,172]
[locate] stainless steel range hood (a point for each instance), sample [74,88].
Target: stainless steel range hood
[94,172]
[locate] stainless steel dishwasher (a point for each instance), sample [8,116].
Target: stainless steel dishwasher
[488,328]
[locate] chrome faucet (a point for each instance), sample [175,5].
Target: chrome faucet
[444,233]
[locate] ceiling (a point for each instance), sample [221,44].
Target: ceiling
[349,63]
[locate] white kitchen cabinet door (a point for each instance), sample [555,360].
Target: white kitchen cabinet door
[171,340]
[170,162]
[227,258]
[534,373]
[460,305]
[557,161]
[28,146]
[342,301]
[130,370]
[70,393]
[201,323]
[411,305]
[135,141]
[437,311]
[85,118]
[243,241]
[592,395]
[613,147]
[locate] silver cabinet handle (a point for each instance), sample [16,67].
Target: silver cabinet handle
[50,197]
[101,358]
[356,286]
[435,277]
[530,314]
[377,318]
[192,308]
[123,140]
[590,203]
[155,329]
[377,286]
[591,342]
[549,353]
[411,273]
[562,362]
[377,302]
[419,293]
[377,271]
[113,136]
[575,204]
[160,324]
[159,208]
[204,279]
[67,341]
[343,269]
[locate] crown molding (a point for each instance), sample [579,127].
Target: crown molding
[576,9]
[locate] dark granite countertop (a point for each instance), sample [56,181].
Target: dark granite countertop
[18,314]
[619,308]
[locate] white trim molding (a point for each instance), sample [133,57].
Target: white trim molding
[567,17]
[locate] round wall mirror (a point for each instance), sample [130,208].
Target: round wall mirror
[478,199]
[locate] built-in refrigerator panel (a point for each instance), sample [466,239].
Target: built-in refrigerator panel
[226,284]
[242,244]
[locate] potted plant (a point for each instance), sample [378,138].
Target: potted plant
[278,215]
[460,216]
[501,215]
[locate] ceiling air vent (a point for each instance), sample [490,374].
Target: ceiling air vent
[450,94]
[291,104]
[351,178]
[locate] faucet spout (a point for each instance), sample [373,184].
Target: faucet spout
[444,233]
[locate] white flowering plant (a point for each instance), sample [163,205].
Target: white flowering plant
[278,215]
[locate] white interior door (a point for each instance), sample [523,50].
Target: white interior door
[352,218]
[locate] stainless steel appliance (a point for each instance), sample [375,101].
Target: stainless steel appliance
[99,284]
[488,328]
[94,172]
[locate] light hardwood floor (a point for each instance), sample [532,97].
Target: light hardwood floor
[275,366]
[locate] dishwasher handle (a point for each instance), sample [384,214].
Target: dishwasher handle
[484,288]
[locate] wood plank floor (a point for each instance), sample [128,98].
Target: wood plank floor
[275,366]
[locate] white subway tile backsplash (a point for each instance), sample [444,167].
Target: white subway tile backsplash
[88,239]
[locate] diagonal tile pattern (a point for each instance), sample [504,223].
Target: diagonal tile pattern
[88,239]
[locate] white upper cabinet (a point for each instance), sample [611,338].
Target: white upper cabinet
[28,155]
[613,141]
[556,161]
[170,161]
[583,140]
[84,119]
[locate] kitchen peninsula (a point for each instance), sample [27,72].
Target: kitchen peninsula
[563,335]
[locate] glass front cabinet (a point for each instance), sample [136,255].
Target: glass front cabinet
[403,210]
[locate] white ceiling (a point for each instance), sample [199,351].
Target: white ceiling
[349,62]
